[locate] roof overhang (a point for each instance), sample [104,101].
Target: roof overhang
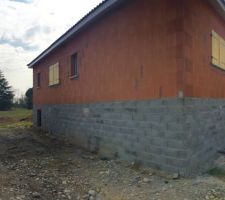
[92,16]
[219,5]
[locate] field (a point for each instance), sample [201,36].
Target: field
[16,118]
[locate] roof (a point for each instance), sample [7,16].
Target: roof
[95,14]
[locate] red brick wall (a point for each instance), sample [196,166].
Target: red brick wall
[129,54]
[201,77]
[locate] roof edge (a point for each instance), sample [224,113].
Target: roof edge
[93,15]
[219,6]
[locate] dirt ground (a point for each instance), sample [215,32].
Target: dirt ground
[36,166]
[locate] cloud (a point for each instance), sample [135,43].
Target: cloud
[22,1]
[18,42]
[29,27]
[36,30]
[31,32]
[13,64]
[11,7]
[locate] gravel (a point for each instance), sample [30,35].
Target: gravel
[34,165]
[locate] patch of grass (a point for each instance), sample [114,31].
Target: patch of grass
[217,172]
[15,118]
[16,113]
[25,124]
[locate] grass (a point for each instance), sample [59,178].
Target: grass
[217,172]
[15,118]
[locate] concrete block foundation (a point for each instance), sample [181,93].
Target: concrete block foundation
[174,135]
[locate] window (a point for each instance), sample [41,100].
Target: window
[38,79]
[218,50]
[54,74]
[74,66]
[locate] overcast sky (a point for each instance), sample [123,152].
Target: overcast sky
[27,27]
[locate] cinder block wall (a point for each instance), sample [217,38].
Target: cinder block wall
[205,128]
[175,135]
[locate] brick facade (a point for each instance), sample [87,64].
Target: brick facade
[202,79]
[129,54]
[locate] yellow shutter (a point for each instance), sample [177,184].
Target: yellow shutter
[56,73]
[215,49]
[222,53]
[51,76]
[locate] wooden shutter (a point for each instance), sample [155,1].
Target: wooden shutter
[215,49]
[222,53]
[51,75]
[56,73]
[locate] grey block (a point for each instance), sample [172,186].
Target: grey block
[176,135]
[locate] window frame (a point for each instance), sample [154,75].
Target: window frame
[74,72]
